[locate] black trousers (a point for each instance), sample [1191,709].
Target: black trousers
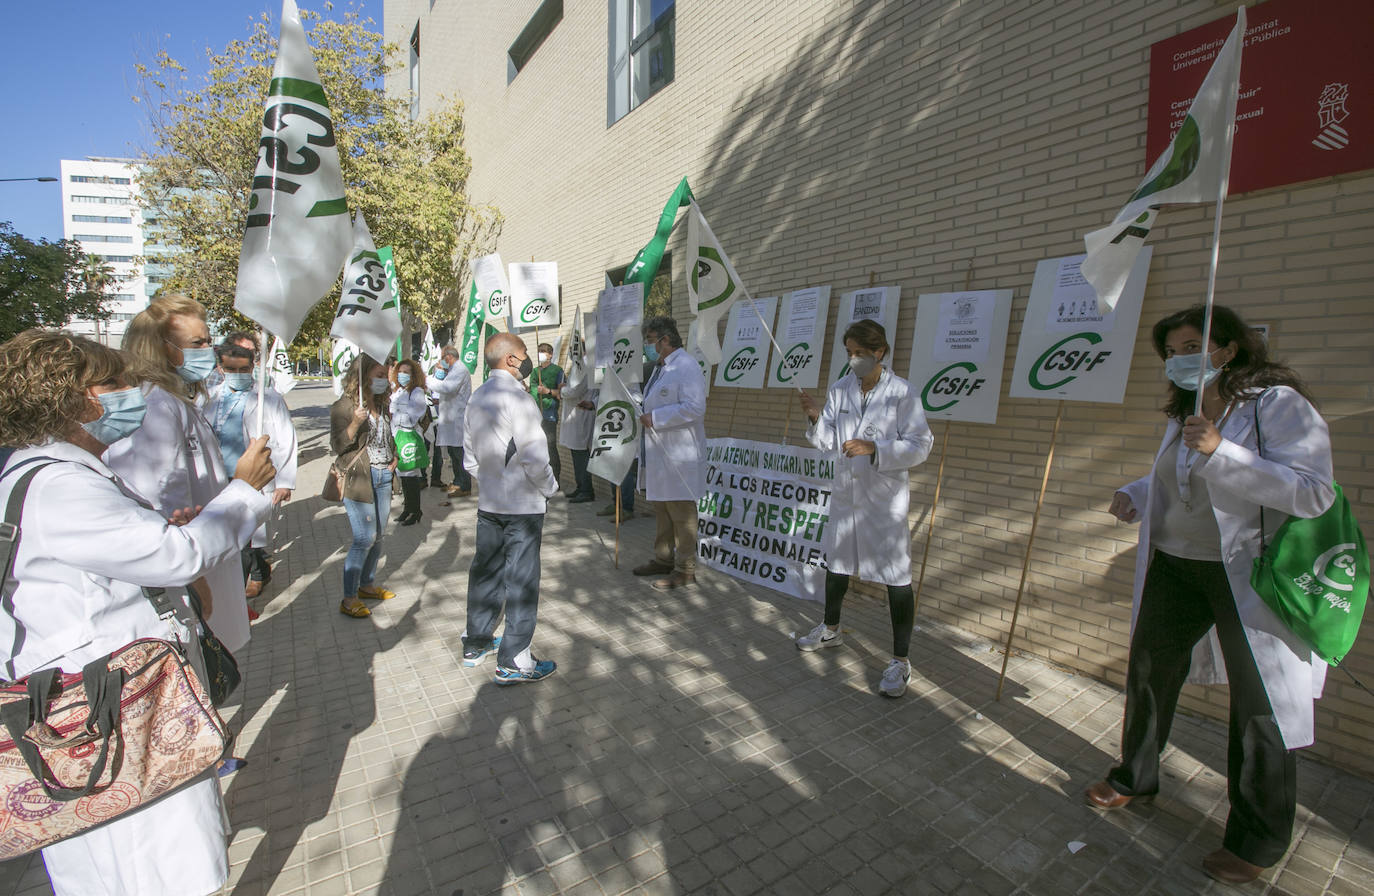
[1181,601]
[582,478]
[551,436]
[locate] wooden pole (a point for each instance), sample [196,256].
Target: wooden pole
[1030,542]
[934,506]
[615,494]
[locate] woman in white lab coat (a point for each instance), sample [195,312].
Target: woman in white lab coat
[409,402]
[873,423]
[86,548]
[174,460]
[451,386]
[1199,511]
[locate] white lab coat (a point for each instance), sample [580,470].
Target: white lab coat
[452,393]
[575,429]
[869,533]
[674,459]
[505,449]
[1293,478]
[281,439]
[86,548]
[407,407]
[173,462]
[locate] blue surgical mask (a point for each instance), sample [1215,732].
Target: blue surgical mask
[403,379]
[122,413]
[196,363]
[1183,370]
[440,372]
[380,384]
[651,352]
[239,382]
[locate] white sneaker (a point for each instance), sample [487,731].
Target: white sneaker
[819,637]
[894,681]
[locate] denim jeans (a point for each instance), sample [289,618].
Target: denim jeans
[368,521]
[505,572]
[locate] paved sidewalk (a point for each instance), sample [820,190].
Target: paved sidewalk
[685,745]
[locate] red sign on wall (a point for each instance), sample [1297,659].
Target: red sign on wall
[1306,106]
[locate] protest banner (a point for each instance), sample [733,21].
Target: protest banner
[764,513]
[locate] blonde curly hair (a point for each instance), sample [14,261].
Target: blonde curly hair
[145,345]
[44,375]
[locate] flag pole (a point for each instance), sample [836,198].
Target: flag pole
[1030,542]
[1211,285]
[262,381]
[616,488]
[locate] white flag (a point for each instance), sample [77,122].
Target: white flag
[340,358]
[297,234]
[367,315]
[429,352]
[283,380]
[577,354]
[712,286]
[615,435]
[1194,168]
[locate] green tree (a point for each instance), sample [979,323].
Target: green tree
[44,284]
[409,178]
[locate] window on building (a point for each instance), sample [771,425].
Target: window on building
[660,298]
[415,73]
[641,53]
[101,200]
[540,26]
[97,179]
[101,238]
[100,219]
[114,259]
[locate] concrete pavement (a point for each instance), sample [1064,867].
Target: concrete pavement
[685,745]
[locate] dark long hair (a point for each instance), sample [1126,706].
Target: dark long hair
[1244,376]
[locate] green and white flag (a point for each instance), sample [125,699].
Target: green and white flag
[297,231]
[712,284]
[470,352]
[615,434]
[577,354]
[283,380]
[341,356]
[429,352]
[368,315]
[645,265]
[1194,168]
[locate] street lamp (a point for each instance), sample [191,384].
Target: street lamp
[41,180]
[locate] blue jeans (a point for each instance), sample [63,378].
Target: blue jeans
[505,572]
[368,521]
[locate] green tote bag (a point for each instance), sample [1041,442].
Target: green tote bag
[410,451]
[1314,575]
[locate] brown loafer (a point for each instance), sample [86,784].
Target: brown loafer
[252,588]
[676,580]
[653,568]
[1102,796]
[1229,868]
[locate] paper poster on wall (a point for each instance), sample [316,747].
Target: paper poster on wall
[744,357]
[958,353]
[534,294]
[1069,350]
[492,286]
[694,349]
[617,307]
[800,333]
[878,303]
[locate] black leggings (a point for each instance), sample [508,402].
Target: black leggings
[901,604]
[410,490]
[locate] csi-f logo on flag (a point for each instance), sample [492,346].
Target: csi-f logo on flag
[711,279]
[367,313]
[366,292]
[616,424]
[296,129]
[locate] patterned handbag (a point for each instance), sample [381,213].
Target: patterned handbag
[78,750]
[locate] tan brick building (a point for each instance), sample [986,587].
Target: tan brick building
[917,144]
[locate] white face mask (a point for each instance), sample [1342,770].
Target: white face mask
[544,357]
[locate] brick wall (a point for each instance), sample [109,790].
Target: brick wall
[920,144]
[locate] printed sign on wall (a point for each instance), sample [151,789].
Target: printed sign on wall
[744,359]
[1068,348]
[534,294]
[800,333]
[958,352]
[877,303]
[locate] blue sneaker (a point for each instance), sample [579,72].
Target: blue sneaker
[542,669]
[473,656]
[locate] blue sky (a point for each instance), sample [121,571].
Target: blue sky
[69,81]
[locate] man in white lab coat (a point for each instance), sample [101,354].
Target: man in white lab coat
[451,387]
[673,468]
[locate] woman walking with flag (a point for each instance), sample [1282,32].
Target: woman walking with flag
[1258,442]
